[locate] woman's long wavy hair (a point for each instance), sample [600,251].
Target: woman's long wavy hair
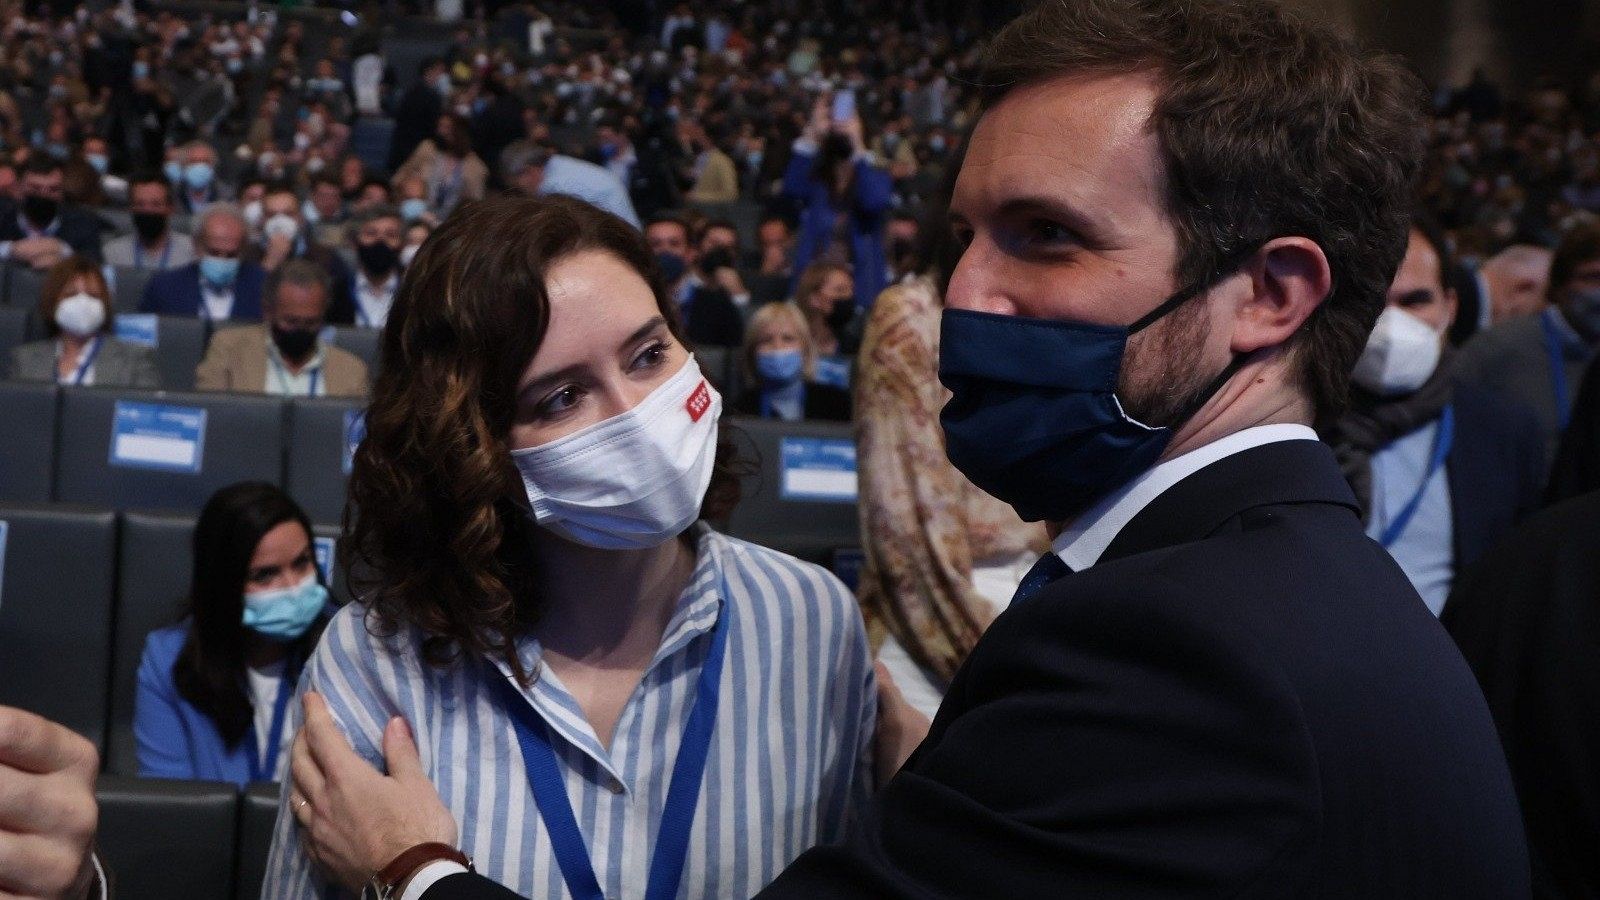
[437,513]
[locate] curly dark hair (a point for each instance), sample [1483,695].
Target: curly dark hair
[437,513]
[1270,126]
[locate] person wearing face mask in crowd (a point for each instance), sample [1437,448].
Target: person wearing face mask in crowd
[285,236]
[825,293]
[75,304]
[718,261]
[707,312]
[1442,469]
[778,363]
[41,229]
[416,234]
[285,355]
[153,245]
[418,111]
[324,211]
[377,234]
[221,285]
[1540,360]
[843,197]
[606,648]
[214,689]
[446,163]
[198,185]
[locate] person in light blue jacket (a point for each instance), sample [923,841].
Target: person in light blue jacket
[214,689]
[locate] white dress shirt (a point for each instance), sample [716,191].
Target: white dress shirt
[1082,543]
[373,301]
[218,302]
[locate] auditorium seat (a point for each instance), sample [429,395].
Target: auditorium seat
[319,436]
[802,500]
[172,450]
[128,286]
[363,342]
[20,284]
[163,838]
[16,326]
[27,440]
[56,586]
[258,812]
[180,345]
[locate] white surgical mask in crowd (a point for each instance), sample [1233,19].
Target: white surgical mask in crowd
[635,480]
[81,314]
[407,254]
[281,225]
[1400,356]
[252,213]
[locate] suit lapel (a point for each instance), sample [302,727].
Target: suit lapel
[1298,471]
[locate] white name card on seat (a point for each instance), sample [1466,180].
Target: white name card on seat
[158,436]
[139,329]
[819,470]
[323,548]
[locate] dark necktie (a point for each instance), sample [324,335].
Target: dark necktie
[1047,569]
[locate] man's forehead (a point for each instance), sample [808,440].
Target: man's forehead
[1085,137]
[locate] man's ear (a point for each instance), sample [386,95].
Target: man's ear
[1289,278]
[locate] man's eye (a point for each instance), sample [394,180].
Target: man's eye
[1044,231]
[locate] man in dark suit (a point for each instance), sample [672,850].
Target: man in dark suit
[287,237]
[1441,469]
[418,112]
[709,315]
[220,286]
[41,230]
[1180,221]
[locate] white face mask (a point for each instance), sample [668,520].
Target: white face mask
[281,226]
[407,254]
[635,480]
[81,314]
[1401,354]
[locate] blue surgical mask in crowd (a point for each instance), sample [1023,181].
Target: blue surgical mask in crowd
[234,65]
[636,479]
[218,271]
[441,83]
[173,170]
[98,161]
[413,208]
[198,175]
[309,211]
[58,151]
[284,614]
[780,366]
[141,69]
[1033,417]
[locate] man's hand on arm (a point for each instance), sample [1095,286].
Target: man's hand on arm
[47,809]
[355,820]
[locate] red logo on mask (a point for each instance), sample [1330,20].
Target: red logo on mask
[699,401]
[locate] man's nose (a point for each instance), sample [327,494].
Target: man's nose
[975,286]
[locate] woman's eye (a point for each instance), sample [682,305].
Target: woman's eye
[560,401]
[651,356]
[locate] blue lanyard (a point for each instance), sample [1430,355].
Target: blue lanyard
[1441,449]
[88,360]
[264,767]
[283,378]
[166,253]
[1558,367]
[683,792]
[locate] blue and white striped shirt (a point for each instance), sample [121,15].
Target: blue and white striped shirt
[788,767]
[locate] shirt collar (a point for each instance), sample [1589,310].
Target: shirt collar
[1081,544]
[382,288]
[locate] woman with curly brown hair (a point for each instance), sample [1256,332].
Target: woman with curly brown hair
[611,699]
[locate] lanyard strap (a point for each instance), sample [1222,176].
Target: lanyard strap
[1558,367]
[1441,449]
[280,370]
[264,767]
[87,362]
[683,792]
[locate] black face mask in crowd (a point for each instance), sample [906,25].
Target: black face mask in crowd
[41,211]
[150,226]
[377,258]
[717,258]
[294,343]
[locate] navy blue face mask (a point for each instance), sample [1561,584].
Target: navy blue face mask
[1034,418]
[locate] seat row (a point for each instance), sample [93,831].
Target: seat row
[161,838]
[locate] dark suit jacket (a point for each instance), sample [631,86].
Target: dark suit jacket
[824,403]
[1244,698]
[713,319]
[1528,622]
[1496,470]
[176,292]
[79,229]
[341,280]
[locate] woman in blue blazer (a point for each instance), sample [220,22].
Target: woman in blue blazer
[214,689]
[844,200]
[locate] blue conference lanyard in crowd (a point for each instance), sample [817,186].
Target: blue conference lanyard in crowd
[683,791]
[283,378]
[1441,449]
[1558,367]
[264,764]
[89,355]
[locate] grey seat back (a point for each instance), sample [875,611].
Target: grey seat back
[15,325]
[20,284]
[365,343]
[56,585]
[225,439]
[802,500]
[128,286]
[321,437]
[27,440]
[258,813]
[168,838]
